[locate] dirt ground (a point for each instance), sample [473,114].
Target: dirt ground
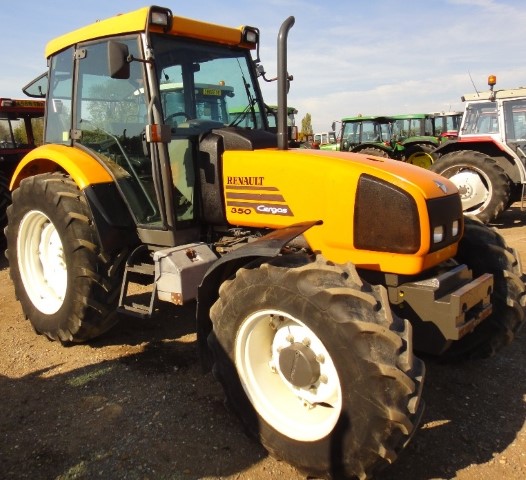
[135,405]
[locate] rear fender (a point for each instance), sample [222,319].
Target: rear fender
[83,168]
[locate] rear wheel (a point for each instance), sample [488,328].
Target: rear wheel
[68,289]
[485,251]
[5,200]
[316,366]
[484,187]
[420,154]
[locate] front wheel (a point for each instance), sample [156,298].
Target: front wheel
[483,186]
[316,366]
[67,287]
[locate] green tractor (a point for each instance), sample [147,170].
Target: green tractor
[409,138]
[327,140]
[415,139]
[370,135]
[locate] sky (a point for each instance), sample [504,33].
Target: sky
[347,57]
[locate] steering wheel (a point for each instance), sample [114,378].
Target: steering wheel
[170,117]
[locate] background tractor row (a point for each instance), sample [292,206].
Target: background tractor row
[309,310]
[411,137]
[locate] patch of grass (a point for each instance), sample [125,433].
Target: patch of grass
[85,378]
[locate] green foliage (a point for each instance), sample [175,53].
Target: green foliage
[306,126]
[5,136]
[38,132]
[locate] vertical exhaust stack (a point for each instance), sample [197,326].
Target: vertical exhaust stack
[283,79]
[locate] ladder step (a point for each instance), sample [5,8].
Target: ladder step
[141,268]
[135,310]
[138,274]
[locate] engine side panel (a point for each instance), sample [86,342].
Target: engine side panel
[275,188]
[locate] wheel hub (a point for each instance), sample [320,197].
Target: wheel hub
[473,192]
[465,191]
[298,365]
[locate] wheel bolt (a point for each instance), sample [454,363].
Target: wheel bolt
[272,367]
[320,358]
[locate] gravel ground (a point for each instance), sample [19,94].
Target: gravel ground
[134,404]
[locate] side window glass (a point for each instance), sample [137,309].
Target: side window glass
[58,120]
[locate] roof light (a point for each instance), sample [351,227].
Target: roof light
[250,35]
[492,80]
[161,17]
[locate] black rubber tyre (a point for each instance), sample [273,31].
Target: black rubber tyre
[67,288]
[484,187]
[419,154]
[485,251]
[376,152]
[5,200]
[354,414]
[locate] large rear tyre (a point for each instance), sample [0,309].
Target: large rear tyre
[485,251]
[483,185]
[67,288]
[5,200]
[316,366]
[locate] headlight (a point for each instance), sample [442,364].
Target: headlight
[455,229]
[445,219]
[438,234]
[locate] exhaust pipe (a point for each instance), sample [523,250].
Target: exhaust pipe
[283,79]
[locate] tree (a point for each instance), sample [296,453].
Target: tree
[20,132]
[306,127]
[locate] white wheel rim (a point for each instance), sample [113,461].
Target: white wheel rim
[304,414]
[474,188]
[41,262]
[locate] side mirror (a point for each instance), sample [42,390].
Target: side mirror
[293,132]
[118,64]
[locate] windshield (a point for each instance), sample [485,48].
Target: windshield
[481,118]
[356,132]
[412,127]
[206,82]
[515,120]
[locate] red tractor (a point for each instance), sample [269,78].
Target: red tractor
[487,160]
[19,133]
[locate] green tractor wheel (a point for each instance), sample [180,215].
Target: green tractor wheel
[420,154]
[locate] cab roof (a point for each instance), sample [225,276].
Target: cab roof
[137,21]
